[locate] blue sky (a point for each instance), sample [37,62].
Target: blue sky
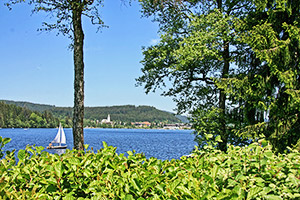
[38,67]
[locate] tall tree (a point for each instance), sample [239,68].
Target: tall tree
[197,46]
[271,86]
[68,21]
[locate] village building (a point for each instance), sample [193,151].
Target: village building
[106,121]
[141,124]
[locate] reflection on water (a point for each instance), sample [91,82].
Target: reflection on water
[57,151]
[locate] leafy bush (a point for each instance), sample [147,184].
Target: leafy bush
[252,172]
[3,141]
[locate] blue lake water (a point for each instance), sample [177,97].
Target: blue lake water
[162,144]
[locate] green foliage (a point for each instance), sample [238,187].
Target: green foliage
[30,106]
[270,84]
[207,121]
[3,141]
[198,46]
[18,117]
[126,113]
[252,172]
[241,57]
[130,113]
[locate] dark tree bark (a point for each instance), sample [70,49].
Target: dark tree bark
[222,95]
[78,113]
[222,99]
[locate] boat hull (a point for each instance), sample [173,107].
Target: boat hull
[57,147]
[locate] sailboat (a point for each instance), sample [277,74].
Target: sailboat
[59,139]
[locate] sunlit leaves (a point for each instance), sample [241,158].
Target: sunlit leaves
[272,32]
[199,46]
[189,53]
[205,40]
[3,141]
[21,155]
[252,172]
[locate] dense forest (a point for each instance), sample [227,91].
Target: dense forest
[127,113]
[12,116]
[30,106]
[130,113]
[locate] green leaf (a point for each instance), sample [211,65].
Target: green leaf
[39,149]
[44,154]
[130,153]
[21,154]
[263,142]
[259,179]
[218,139]
[174,184]
[253,192]
[69,197]
[6,140]
[86,146]
[135,184]
[209,136]
[128,197]
[215,171]
[51,188]
[231,183]
[104,145]
[272,197]
[268,153]
[160,187]
[74,161]
[184,190]
[58,167]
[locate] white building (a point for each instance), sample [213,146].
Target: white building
[106,121]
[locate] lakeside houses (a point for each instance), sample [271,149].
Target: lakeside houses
[177,126]
[108,123]
[141,124]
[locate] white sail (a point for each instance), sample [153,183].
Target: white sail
[63,136]
[60,136]
[57,137]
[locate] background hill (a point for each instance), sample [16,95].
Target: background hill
[21,117]
[30,106]
[126,113]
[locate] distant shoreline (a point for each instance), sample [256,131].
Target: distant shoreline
[107,128]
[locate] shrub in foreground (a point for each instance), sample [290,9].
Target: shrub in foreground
[252,172]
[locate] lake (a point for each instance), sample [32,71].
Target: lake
[162,144]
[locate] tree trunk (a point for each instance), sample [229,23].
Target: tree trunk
[78,113]
[222,95]
[222,99]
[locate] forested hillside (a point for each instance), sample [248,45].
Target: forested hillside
[12,116]
[130,113]
[30,106]
[126,113]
